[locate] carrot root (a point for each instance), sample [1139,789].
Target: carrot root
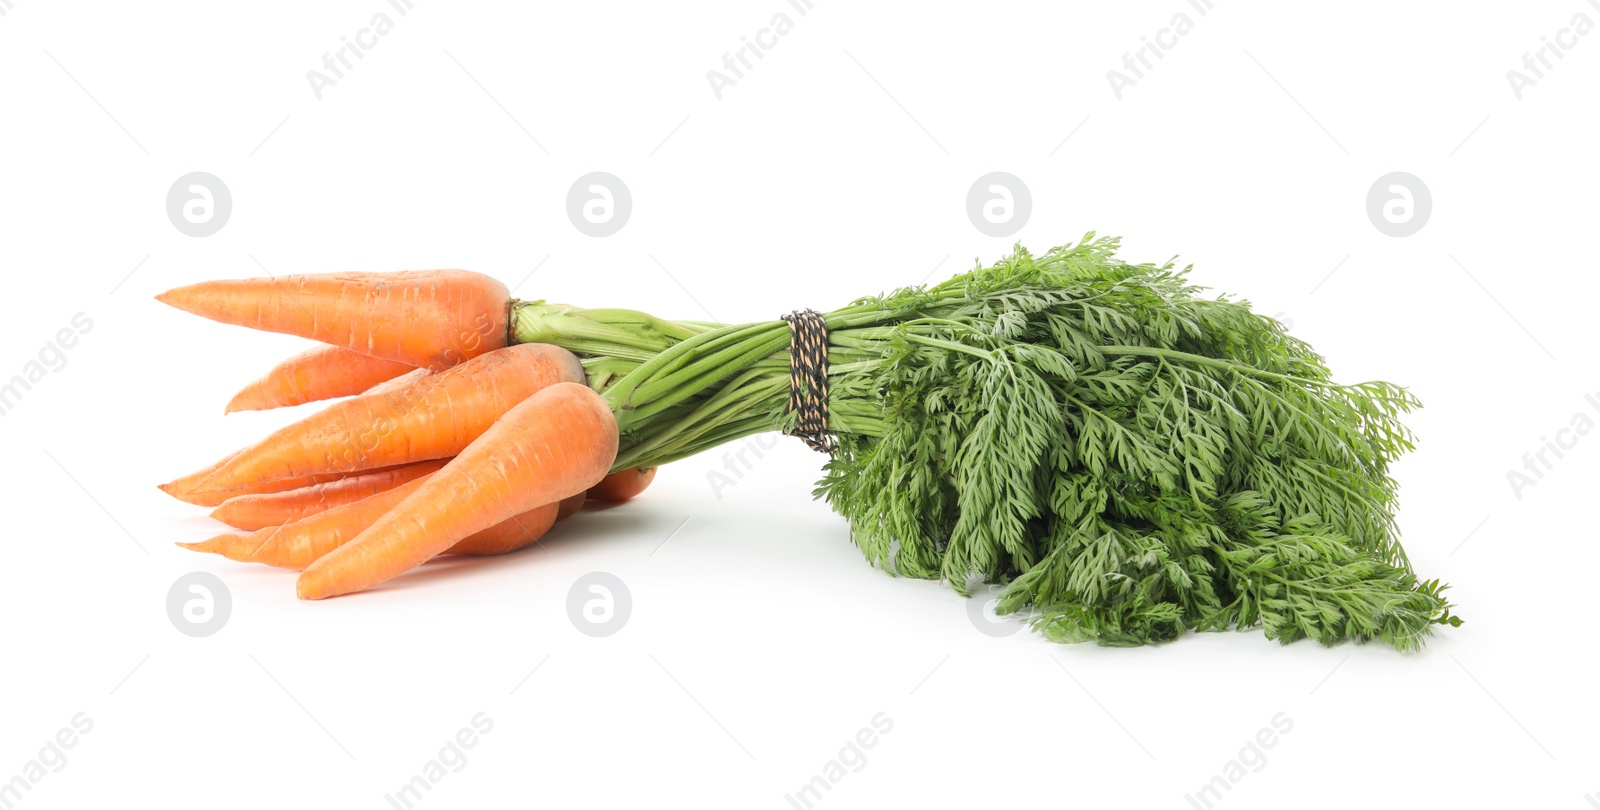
[325,372]
[250,512]
[623,485]
[554,445]
[299,544]
[398,382]
[216,497]
[436,416]
[429,318]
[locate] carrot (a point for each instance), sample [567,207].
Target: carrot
[182,485]
[518,532]
[556,444]
[298,544]
[184,488]
[429,318]
[398,383]
[277,508]
[435,417]
[325,372]
[624,485]
[571,506]
[509,535]
[302,542]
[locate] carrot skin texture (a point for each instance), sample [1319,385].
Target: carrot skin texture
[623,485]
[435,417]
[429,318]
[324,372]
[556,444]
[218,497]
[398,382]
[250,512]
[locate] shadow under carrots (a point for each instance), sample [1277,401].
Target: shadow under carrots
[576,531]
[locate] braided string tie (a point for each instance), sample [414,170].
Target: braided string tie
[808,379]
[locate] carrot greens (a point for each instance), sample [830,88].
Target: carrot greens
[1130,458]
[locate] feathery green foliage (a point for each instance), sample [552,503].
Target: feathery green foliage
[1131,458]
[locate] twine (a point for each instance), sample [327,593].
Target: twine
[808,379]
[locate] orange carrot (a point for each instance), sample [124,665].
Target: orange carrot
[429,318]
[299,544]
[509,535]
[184,488]
[398,382]
[570,506]
[518,532]
[325,372]
[275,509]
[182,485]
[553,445]
[435,417]
[622,486]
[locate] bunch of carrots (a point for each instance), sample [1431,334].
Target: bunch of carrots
[1129,457]
[451,441]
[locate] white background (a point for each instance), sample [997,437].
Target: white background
[759,641]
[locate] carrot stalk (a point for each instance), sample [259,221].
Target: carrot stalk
[325,372]
[277,508]
[435,417]
[556,444]
[429,318]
